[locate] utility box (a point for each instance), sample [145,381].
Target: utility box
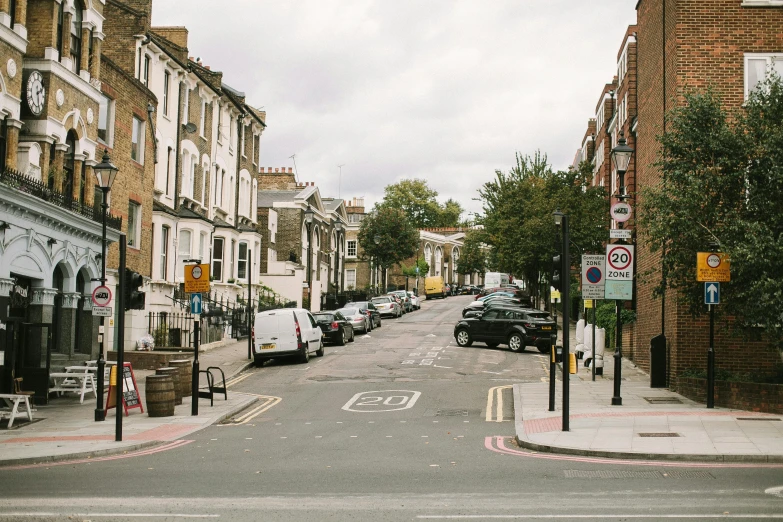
[658,361]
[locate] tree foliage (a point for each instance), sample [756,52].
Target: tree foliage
[722,183]
[473,257]
[420,204]
[397,238]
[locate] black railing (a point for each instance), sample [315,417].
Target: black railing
[35,188]
[170,330]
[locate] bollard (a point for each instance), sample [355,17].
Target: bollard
[572,363]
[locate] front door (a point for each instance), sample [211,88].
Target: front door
[34,346]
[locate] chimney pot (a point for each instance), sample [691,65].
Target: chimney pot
[290,170]
[208,67]
[277,170]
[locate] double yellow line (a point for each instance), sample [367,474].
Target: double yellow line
[267,402]
[495,402]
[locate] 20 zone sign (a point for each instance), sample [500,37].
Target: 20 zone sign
[619,262]
[384,400]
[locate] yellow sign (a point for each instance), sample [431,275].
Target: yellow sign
[197,278]
[712,267]
[588,303]
[555,294]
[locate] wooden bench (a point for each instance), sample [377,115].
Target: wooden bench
[11,409]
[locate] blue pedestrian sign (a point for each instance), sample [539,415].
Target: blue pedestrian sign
[711,293]
[195,304]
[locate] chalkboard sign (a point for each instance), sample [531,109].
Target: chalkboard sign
[130,392]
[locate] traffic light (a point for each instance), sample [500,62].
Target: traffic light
[556,271]
[134,298]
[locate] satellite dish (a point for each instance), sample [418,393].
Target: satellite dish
[190,127]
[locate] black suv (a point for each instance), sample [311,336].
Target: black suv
[513,326]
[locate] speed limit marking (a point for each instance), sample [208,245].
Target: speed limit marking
[619,262]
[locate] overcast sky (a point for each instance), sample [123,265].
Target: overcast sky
[446,91]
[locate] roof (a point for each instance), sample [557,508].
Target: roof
[186,213]
[266,198]
[219,223]
[331,204]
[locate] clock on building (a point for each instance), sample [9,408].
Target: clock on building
[35,92]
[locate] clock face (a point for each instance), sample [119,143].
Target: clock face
[35,93]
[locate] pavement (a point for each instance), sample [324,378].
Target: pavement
[651,423]
[66,430]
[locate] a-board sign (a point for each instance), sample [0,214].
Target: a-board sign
[712,267]
[130,392]
[197,278]
[619,262]
[593,278]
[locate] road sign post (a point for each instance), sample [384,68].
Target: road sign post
[712,268]
[619,286]
[195,303]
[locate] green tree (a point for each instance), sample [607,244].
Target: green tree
[387,237]
[473,257]
[416,199]
[722,184]
[449,214]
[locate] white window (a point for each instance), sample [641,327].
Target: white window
[164,250]
[242,261]
[183,250]
[202,243]
[166,83]
[599,118]
[106,121]
[144,72]
[137,140]
[758,66]
[350,248]
[220,124]
[134,224]
[231,133]
[217,259]
[350,279]
[203,116]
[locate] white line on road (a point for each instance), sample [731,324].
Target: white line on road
[599,517]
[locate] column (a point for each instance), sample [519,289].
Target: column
[41,310]
[20,17]
[5,12]
[59,158]
[85,61]
[66,42]
[95,67]
[12,142]
[77,177]
[89,189]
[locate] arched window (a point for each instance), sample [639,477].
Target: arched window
[68,165]
[438,260]
[428,258]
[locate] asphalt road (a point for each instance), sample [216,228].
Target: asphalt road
[400,425]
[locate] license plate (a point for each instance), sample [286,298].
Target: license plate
[270,346]
[546,327]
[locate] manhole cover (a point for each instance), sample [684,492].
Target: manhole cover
[663,400]
[456,413]
[665,434]
[757,418]
[588,474]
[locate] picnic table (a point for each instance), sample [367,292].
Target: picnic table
[75,379]
[11,409]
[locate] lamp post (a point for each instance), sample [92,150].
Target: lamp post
[377,240]
[338,228]
[308,218]
[565,269]
[105,172]
[621,158]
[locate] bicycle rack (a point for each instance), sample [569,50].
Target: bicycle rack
[211,385]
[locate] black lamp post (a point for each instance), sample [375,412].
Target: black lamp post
[377,241]
[621,158]
[565,269]
[309,215]
[338,228]
[105,172]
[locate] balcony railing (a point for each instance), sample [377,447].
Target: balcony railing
[28,185]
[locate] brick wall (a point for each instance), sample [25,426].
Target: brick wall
[748,396]
[123,22]
[41,27]
[289,234]
[276,179]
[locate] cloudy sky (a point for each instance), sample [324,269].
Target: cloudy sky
[446,91]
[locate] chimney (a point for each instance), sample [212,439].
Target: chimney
[290,170]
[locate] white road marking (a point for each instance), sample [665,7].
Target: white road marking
[599,517]
[777,491]
[436,366]
[382,401]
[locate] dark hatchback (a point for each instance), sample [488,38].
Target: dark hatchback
[369,310]
[515,327]
[335,327]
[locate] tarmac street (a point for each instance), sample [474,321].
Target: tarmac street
[402,424]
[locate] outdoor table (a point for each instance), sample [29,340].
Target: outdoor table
[75,379]
[11,409]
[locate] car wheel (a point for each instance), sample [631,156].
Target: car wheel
[320,351]
[463,338]
[352,339]
[368,326]
[516,343]
[342,337]
[493,345]
[379,322]
[304,357]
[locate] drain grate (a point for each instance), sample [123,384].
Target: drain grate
[663,400]
[758,418]
[594,474]
[456,413]
[664,434]
[688,475]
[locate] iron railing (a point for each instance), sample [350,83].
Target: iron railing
[35,188]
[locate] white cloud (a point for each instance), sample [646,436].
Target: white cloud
[441,90]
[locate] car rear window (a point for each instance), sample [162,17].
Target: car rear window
[323,317]
[538,315]
[381,300]
[348,311]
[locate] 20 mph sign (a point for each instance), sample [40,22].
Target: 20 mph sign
[619,262]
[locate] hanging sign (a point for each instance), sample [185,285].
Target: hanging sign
[130,392]
[593,276]
[712,267]
[197,278]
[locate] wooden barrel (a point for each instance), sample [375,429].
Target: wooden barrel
[185,375]
[174,372]
[160,396]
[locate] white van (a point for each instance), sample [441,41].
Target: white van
[286,332]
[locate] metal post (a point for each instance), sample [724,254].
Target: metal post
[100,414]
[309,270]
[195,377]
[565,293]
[711,361]
[552,373]
[120,343]
[249,313]
[617,400]
[592,366]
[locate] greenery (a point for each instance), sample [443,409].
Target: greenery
[161,335]
[473,257]
[725,375]
[387,237]
[606,317]
[418,201]
[722,184]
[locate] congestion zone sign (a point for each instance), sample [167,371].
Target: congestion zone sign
[619,261]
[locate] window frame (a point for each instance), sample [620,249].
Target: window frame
[76,39]
[165,232]
[770,59]
[348,273]
[242,262]
[109,131]
[218,260]
[138,128]
[166,87]
[134,220]
[348,244]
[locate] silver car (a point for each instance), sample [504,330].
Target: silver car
[358,320]
[414,300]
[406,301]
[387,306]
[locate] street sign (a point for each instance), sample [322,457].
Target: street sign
[197,278]
[621,211]
[593,280]
[622,290]
[588,303]
[711,293]
[619,262]
[620,233]
[712,267]
[101,296]
[101,311]
[555,294]
[195,303]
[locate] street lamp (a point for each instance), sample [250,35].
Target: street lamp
[338,228]
[377,240]
[105,172]
[621,158]
[561,220]
[309,215]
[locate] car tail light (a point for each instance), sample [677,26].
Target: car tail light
[298,332]
[335,325]
[529,325]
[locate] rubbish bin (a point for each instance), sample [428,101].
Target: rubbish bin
[658,361]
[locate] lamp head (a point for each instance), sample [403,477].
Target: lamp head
[621,155]
[105,171]
[309,215]
[558,216]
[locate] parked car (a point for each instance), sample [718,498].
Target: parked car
[479,306]
[369,309]
[387,305]
[434,287]
[407,306]
[511,326]
[286,332]
[414,300]
[358,319]
[335,326]
[487,291]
